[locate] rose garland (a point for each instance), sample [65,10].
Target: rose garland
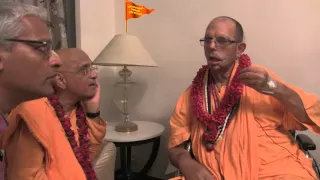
[81,152]
[231,97]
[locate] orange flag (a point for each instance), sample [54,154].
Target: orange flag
[135,11]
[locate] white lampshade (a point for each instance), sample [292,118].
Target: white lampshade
[124,50]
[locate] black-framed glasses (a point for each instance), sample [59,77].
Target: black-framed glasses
[84,71]
[219,41]
[44,46]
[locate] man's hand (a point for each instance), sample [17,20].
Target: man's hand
[192,170]
[92,105]
[255,77]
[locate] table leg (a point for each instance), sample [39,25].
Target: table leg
[125,158]
[152,157]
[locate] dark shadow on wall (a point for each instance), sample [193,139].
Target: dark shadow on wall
[70,22]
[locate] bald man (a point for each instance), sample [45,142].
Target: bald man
[237,116]
[58,137]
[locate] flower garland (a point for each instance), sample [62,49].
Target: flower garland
[231,97]
[81,152]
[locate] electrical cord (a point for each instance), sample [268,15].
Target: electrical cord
[297,159]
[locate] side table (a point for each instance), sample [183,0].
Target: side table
[148,132]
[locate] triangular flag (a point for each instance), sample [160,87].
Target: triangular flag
[135,11]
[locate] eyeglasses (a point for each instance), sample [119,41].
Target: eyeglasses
[44,47]
[219,41]
[84,71]
[88,70]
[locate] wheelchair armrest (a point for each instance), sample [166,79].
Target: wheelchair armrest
[306,142]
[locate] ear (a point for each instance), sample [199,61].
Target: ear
[1,63]
[2,58]
[61,81]
[241,48]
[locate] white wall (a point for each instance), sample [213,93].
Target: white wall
[281,35]
[95,23]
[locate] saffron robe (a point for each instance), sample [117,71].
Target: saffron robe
[37,147]
[257,143]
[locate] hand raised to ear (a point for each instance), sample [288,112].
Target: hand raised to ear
[92,105]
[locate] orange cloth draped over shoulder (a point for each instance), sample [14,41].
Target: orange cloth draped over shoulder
[257,143]
[36,145]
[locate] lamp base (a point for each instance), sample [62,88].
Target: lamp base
[126,126]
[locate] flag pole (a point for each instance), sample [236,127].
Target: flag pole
[126,15]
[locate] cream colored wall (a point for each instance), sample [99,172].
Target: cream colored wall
[281,35]
[95,26]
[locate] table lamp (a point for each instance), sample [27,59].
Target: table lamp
[125,50]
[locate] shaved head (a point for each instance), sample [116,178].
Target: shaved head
[238,30]
[73,58]
[227,35]
[76,77]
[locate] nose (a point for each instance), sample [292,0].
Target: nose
[94,74]
[54,60]
[212,45]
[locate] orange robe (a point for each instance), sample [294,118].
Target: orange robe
[257,144]
[36,145]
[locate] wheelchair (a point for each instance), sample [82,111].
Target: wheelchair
[305,143]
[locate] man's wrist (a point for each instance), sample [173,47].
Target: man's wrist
[272,87]
[93,115]
[279,91]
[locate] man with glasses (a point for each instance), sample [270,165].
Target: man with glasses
[236,116]
[60,136]
[27,64]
